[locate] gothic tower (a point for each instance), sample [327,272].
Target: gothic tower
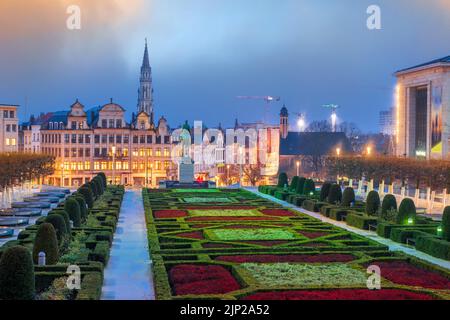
[145,92]
[284,122]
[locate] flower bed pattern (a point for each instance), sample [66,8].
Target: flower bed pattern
[252,248]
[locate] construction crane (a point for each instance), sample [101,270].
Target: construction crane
[333,108]
[267,99]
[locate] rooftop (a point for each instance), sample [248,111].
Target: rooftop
[445,61]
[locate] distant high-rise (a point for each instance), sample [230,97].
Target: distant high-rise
[387,122]
[145,92]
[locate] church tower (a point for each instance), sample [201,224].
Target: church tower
[284,122]
[145,92]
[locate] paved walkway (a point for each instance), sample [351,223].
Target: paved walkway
[393,246]
[128,275]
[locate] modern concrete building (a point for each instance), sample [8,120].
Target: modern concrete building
[9,128]
[387,122]
[87,141]
[423,110]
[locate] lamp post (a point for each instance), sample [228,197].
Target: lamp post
[369,150]
[298,167]
[301,122]
[62,174]
[228,174]
[240,167]
[113,150]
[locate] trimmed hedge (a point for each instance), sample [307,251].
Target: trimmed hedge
[17,274]
[294,183]
[88,196]
[72,207]
[433,246]
[324,191]
[389,203]
[348,197]
[47,242]
[446,224]
[300,185]
[372,203]
[406,212]
[335,194]
[309,187]
[58,223]
[360,221]
[282,180]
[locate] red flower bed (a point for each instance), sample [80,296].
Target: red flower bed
[402,272]
[271,258]
[278,212]
[227,207]
[216,245]
[313,234]
[340,294]
[161,214]
[313,244]
[201,279]
[230,218]
[192,235]
[266,243]
[204,225]
[242,226]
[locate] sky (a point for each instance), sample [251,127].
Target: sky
[205,53]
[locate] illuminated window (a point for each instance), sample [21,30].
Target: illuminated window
[125,152]
[142,152]
[135,153]
[126,166]
[96,165]
[73,166]
[66,166]
[8,142]
[141,165]
[166,164]
[135,165]
[119,165]
[158,165]
[166,152]
[80,166]
[104,165]
[158,152]
[87,165]
[149,152]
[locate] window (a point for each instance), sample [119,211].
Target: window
[111,138]
[50,125]
[80,152]
[87,165]
[56,126]
[80,138]
[111,123]
[158,139]
[125,165]
[142,152]
[74,152]
[8,142]
[66,138]
[149,139]
[5,114]
[135,139]
[126,138]
[142,139]
[74,138]
[149,152]
[73,125]
[96,138]
[87,152]
[125,152]
[96,165]
[8,128]
[118,123]
[142,125]
[11,114]
[167,140]
[61,125]
[104,152]
[104,123]
[166,152]
[104,138]
[118,138]
[158,152]
[96,152]
[66,152]
[87,138]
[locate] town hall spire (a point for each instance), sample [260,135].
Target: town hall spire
[145,92]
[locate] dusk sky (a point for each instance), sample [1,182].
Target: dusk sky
[204,53]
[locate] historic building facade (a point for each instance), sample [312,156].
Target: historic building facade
[423,110]
[87,141]
[9,128]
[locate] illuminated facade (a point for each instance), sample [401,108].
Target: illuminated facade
[99,139]
[423,110]
[9,128]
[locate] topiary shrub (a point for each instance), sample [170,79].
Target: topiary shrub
[294,183]
[406,212]
[300,185]
[388,205]
[102,175]
[94,189]
[309,187]
[348,197]
[335,194]
[83,207]
[99,185]
[372,203]
[282,180]
[59,225]
[87,195]
[16,274]
[446,224]
[72,207]
[324,191]
[46,241]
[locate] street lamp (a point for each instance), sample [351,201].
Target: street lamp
[369,150]
[333,121]
[228,173]
[298,168]
[301,123]
[62,174]
[113,150]
[338,151]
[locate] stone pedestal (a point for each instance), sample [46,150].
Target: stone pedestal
[186,170]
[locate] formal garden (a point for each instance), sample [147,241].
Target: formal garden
[398,222]
[234,244]
[77,232]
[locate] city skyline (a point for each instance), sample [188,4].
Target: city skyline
[196,69]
